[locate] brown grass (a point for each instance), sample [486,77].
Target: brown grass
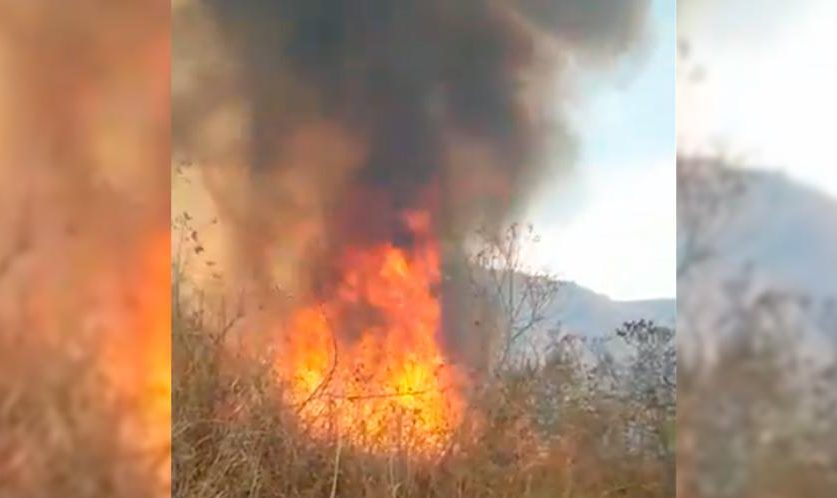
[233,437]
[62,429]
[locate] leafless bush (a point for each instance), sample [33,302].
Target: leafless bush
[756,396]
[539,428]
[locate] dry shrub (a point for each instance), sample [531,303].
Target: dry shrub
[61,425]
[234,437]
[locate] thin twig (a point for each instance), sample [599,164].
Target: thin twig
[336,467]
[331,371]
[385,395]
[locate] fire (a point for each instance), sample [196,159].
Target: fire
[365,365]
[137,358]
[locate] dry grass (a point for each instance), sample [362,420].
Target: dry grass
[234,437]
[61,428]
[749,431]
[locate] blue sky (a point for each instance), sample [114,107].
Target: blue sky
[610,226]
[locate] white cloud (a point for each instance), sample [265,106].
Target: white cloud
[772,100]
[611,226]
[623,242]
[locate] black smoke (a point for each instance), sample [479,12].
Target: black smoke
[406,77]
[356,111]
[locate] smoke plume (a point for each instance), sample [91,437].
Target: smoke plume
[319,122]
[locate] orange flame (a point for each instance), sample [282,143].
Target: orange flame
[365,365]
[137,359]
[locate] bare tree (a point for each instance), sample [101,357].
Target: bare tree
[522,294]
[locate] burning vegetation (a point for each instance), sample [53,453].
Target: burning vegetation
[346,151]
[381,379]
[327,123]
[84,249]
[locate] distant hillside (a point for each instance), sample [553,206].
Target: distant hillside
[778,236]
[786,231]
[584,312]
